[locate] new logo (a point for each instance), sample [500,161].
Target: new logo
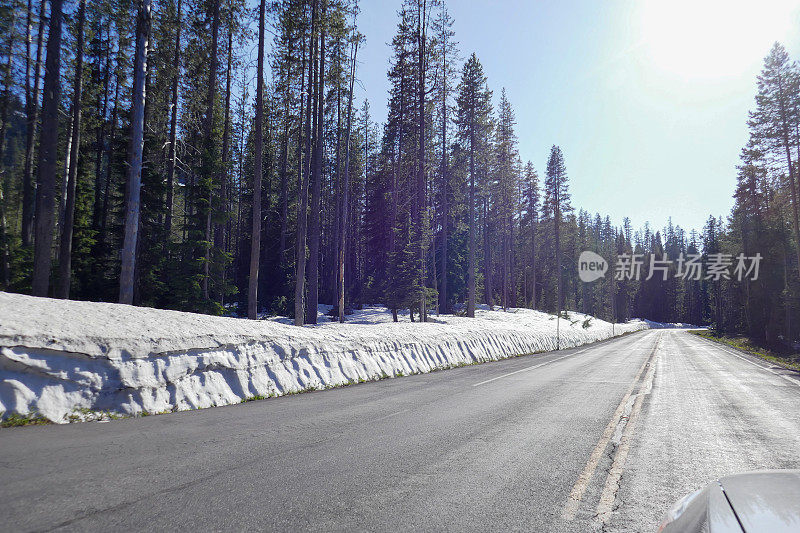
[591,266]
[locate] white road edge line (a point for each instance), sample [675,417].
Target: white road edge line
[529,368]
[791,380]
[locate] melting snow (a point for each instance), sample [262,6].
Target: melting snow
[61,357]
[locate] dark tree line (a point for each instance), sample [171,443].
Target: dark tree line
[166,153]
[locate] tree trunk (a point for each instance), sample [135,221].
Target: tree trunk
[346,184]
[4,251]
[255,243]
[421,202]
[302,214]
[223,228]
[62,203]
[48,148]
[5,264]
[173,128]
[211,166]
[785,133]
[284,199]
[445,192]
[109,161]
[557,229]
[316,178]
[472,255]
[533,261]
[136,146]
[102,104]
[65,254]
[487,254]
[337,203]
[32,118]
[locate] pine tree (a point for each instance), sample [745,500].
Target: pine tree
[473,130]
[775,118]
[506,177]
[532,183]
[556,204]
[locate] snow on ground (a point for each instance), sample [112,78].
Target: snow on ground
[671,325]
[62,357]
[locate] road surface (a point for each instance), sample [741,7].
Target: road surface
[600,437]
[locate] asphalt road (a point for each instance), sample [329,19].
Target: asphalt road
[600,437]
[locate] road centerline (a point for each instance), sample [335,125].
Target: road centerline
[609,495]
[585,477]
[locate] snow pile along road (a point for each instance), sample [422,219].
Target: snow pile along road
[59,357]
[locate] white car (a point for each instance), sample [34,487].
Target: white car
[766,501]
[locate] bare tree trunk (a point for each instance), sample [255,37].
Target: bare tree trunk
[255,243]
[346,184]
[65,254]
[302,214]
[102,104]
[5,264]
[533,262]
[32,117]
[557,229]
[62,203]
[136,146]
[472,255]
[284,199]
[421,203]
[173,128]
[487,254]
[109,160]
[444,190]
[223,228]
[337,202]
[211,167]
[316,178]
[4,251]
[48,148]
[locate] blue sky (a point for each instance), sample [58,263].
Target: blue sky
[648,99]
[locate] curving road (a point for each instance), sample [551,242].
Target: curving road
[603,437]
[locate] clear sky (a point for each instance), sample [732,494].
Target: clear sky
[648,99]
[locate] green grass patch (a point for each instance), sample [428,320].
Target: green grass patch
[752,347]
[16,420]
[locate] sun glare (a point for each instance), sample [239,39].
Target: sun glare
[712,38]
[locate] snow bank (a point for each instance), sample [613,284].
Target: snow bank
[59,357]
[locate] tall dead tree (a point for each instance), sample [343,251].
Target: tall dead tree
[126,280]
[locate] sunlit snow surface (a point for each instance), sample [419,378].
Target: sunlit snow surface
[61,357]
